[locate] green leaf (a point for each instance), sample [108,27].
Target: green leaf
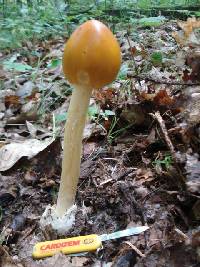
[156,58]
[93,111]
[54,63]
[149,22]
[17,66]
[167,161]
[153,21]
[197,13]
[108,112]
[123,72]
[61,117]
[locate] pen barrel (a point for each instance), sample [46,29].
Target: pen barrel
[67,246]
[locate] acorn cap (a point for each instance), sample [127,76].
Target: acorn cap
[92,56]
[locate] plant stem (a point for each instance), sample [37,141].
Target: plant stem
[75,123]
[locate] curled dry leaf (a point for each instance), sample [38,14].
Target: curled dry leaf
[11,153]
[12,100]
[187,36]
[143,176]
[189,25]
[105,95]
[161,98]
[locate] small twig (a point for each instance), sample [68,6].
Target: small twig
[107,181]
[161,122]
[142,77]
[28,232]
[6,258]
[168,141]
[124,174]
[120,177]
[135,249]
[182,235]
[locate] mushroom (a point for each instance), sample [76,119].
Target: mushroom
[91,60]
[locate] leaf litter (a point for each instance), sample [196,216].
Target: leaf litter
[133,162]
[11,153]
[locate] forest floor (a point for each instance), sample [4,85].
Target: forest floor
[141,150]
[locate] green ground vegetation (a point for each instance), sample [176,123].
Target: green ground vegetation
[23,20]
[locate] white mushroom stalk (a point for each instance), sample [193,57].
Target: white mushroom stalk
[91,60]
[72,148]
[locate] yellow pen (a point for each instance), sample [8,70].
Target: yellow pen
[80,243]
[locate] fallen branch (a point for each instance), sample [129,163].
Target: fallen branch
[168,141]
[134,248]
[143,77]
[161,122]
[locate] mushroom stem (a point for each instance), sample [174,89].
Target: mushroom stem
[74,126]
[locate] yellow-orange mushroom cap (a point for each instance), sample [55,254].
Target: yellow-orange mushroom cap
[92,56]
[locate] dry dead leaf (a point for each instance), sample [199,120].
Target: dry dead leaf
[26,89]
[4,74]
[31,128]
[58,260]
[134,114]
[193,61]
[29,111]
[189,25]
[12,100]
[36,130]
[5,258]
[88,130]
[187,36]
[144,175]
[92,129]
[11,153]
[79,261]
[9,189]
[162,98]
[107,94]
[89,148]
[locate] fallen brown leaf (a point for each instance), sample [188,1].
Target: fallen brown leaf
[11,153]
